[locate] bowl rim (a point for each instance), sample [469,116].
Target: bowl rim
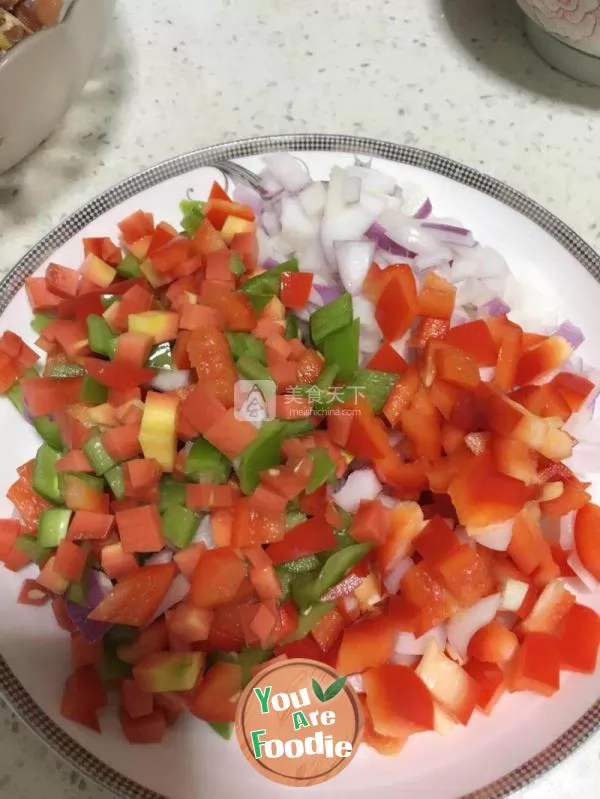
[11,690]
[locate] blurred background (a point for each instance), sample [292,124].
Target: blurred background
[457,77]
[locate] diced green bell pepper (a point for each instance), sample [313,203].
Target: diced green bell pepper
[309,591]
[192,215]
[251,369]
[31,547]
[100,335]
[323,470]
[205,464]
[246,344]
[53,527]
[171,492]
[179,525]
[268,283]
[45,477]
[375,386]
[263,453]
[308,563]
[119,635]
[129,267]
[327,376]
[285,581]
[92,391]
[222,728]
[297,427]
[97,455]
[78,592]
[116,480]
[308,620]
[249,657]
[40,321]
[92,480]
[107,300]
[64,370]
[331,317]
[259,301]
[293,518]
[161,356]
[291,326]
[49,431]
[236,265]
[342,349]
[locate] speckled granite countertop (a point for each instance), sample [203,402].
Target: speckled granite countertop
[453,76]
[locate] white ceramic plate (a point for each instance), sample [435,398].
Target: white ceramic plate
[493,756]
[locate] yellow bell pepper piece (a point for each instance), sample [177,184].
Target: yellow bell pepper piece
[157,434]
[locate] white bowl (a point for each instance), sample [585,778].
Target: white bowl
[43,74]
[566,33]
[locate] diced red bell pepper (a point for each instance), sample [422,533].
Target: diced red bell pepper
[383,744]
[206,496]
[10,530]
[136,598]
[152,639]
[59,609]
[136,702]
[536,666]
[216,698]
[420,588]
[32,593]
[401,396]
[398,701]
[70,560]
[289,481]
[116,375]
[104,248]
[38,295]
[429,329]
[491,681]
[85,525]
[552,606]
[456,367]
[526,545]
[312,536]
[62,281]
[246,246]
[44,395]
[148,729]
[216,578]
[139,529]
[387,359]
[83,696]
[397,304]
[217,210]
[482,496]
[136,226]
[207,239]
[85,653]
[574,389]
[449,683]
[549,355]
[186,559]
[122,443]
[437,297]
[371,522]
[79,495]
[230,435]
[493,643]
[189,623]
[464,573]
[579,640]
[28,503]
[476,339]
[202,408]
[295,288]
[253,527]
[328,629]
[436,541]
[366,644]
[211,357]
[510,341]
[587,538]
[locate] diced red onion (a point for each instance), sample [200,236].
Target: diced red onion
[270,222]
[570,333]
[487,373]
[177,592]
[290,172]
[165,556]
[352,187]
[424,211]
[327,294]
[357,682]
[204,533]
[360,485]
[170,379]
[567,531]
[297,229]
[434,258]
[495,307]
[588,579]
[99,587]
[269,185]
[392,578]
[377,234]
[463,625]
[270,263]
[496,536]
[451,234]
[354,259]
[312,199]
[247,196]
[513,594]
[404,660]
[409,644]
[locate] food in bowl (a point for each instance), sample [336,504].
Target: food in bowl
[397,487]
[21,18]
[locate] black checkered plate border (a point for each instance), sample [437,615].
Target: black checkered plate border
[10,687]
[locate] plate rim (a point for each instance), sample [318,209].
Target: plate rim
[11,690]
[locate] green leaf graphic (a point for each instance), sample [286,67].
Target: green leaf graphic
[335,688]
[318,691]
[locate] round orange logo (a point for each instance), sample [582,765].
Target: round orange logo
[298,722]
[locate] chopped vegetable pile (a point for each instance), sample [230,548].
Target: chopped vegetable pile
[411,513]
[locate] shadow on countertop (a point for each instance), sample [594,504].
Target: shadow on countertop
[492,33]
